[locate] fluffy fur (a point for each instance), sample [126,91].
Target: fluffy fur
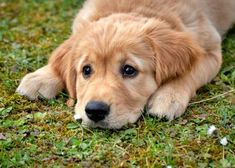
[175,46]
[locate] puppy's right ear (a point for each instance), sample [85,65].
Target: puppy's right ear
[61,63]
[175,52]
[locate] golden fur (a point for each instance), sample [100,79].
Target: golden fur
[174,44]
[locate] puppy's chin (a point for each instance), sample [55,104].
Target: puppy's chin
[103,124]
[100,124]
[115,120]
[109,123]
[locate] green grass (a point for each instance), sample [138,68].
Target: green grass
[43,133]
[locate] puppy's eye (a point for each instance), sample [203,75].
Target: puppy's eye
[128,71]
[86,71]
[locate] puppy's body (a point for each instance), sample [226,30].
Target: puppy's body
[173,46]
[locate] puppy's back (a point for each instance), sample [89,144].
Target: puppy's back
[221,13]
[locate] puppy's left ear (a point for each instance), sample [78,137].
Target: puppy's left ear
[62,64]
[175,52]
[71,78]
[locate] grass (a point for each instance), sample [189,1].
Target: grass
[43,133]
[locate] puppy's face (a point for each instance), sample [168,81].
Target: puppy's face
[112,91]
[115,76]
[116,66]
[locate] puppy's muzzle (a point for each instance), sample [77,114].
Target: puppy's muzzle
[97,110]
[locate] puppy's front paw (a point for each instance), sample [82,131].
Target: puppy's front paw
[41,82]
[167,103]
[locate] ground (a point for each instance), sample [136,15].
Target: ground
[44,133]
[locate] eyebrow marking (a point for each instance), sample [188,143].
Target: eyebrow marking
[138,61]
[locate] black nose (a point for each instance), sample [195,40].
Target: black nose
[96,110]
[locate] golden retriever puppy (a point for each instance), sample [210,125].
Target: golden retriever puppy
[125,54]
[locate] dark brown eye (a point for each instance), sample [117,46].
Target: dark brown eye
[86,71]
[128,71]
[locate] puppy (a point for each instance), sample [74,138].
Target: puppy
[125,54]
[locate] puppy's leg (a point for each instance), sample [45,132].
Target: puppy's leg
[171,99]
[48,80]
[42,82]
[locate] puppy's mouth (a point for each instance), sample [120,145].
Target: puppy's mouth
[100,124]
[92,124]
[109,121]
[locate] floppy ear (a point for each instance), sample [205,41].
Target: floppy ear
[61,62]
[175,52]
[61,59]
[70,78]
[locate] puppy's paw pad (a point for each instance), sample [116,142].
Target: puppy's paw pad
[29,87]
[166,107]
[22,92]
[40,83]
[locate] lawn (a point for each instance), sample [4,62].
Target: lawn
[43,133]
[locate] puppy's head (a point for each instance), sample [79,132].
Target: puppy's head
[119,62]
